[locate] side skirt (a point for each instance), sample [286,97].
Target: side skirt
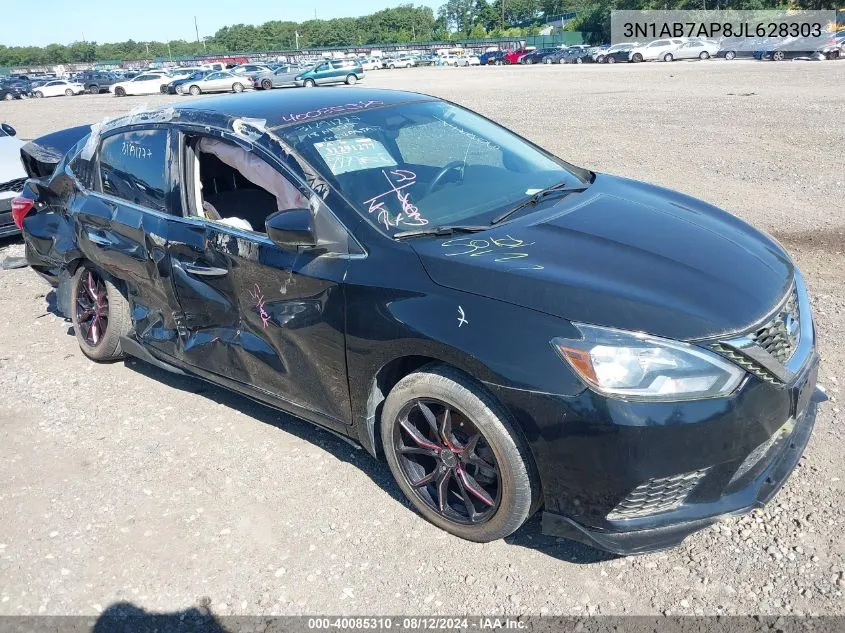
[335,427]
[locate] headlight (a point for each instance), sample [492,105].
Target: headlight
[635,366]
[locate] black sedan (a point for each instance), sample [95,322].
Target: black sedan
[508,330]
[14,90]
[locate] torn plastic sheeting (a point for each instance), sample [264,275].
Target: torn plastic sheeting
[252,129]
[139,114]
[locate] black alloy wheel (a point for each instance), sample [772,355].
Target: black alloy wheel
[455,453]
[447,461]
[92,308]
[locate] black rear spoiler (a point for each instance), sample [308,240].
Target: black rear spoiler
[41,155]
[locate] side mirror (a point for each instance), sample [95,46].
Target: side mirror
[8,129]
[292,229]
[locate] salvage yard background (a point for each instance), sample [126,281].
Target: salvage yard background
[121,482]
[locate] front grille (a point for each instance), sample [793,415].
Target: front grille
[13,185]
[743,361]
[779,336]
[657,495]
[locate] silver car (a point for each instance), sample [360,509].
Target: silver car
[696,49]
[217,82]
[282,77]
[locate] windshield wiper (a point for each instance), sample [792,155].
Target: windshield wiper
[438,230]
[560,188]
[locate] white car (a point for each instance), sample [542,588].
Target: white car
[468,60]
[57,88]
[224,81]
[372,64]
[448,60]
[696,49]
[12,177]
[662,50]
[144,84]
[400,62]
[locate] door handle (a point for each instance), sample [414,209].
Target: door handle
[203,271]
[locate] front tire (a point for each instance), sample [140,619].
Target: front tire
[119,92]
[38,94]
[668,57]
[93,89]
[704,55]
[195,90]
[266,84]
[68,92]
[309,83]
[100,314]
[454,453]
[730,55]
[778,56]
[611,60]
[637,58]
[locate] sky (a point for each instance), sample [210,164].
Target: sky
[63,22]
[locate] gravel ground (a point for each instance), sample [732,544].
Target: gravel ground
[120,482]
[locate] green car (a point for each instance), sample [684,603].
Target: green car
[331,72]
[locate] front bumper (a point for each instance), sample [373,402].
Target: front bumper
[594,453]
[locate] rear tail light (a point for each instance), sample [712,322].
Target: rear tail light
[20,207]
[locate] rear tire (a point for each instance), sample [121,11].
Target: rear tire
[100,314]
[94,89]
[778,56]
[237,87]
[668,57]
[351,80]
[730,55]
[611,60]
[496,469]
[704,55]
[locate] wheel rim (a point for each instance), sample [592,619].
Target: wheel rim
[266,84]
[447,462]
[729,55]
[92,308]
[69,92]
[194,90]
[38,95]
[238,88]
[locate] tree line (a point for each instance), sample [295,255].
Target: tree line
[406,23]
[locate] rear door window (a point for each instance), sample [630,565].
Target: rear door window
[133,167]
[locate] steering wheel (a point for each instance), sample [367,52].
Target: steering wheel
[455,164]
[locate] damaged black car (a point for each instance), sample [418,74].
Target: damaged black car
[508,331]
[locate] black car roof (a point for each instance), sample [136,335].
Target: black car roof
[280,108]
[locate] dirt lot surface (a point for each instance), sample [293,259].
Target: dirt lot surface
[120,482]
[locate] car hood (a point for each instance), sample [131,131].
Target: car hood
[622,254]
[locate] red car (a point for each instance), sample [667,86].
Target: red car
[513,57]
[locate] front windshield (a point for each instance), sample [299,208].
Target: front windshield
[431,163]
